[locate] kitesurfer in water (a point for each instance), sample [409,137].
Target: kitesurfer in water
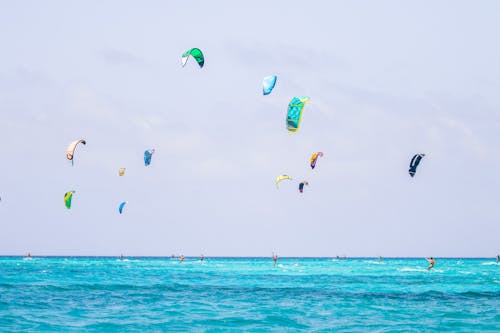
[275,259]
[431,263]
[202,257]
[498,258]
[181,258]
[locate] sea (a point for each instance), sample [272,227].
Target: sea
[153,294]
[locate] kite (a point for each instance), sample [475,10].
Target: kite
[120,208]
[147,156]
[268,84]
[294,115]
[281,178]
[314,158]
[67,198]
[302,184]
[196,54]
[415,161]
[121,172]
[70,152]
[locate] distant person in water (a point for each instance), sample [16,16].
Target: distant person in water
[498,258]
[202,257]
[181,258]
[121,256]
[379,259]
[431,262]
[275,259]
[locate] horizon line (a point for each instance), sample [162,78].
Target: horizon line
[232,257]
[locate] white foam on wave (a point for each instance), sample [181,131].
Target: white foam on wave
[488,263]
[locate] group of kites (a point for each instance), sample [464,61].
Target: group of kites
[293,120]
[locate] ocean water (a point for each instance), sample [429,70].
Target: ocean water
[93,294]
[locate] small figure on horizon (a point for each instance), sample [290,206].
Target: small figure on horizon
[431,263]
[275,259]
[121,256]
[28,255]
[379,259]
[202,257]
[181,258]
[498,258]
[338,257]
[345,257]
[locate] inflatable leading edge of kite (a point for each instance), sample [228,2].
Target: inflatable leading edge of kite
[294,114]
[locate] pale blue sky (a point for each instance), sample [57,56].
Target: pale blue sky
[387,79]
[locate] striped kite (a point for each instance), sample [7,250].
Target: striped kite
[415,161]
[314,158]
[294,115]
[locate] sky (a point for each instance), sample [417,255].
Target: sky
[387,80]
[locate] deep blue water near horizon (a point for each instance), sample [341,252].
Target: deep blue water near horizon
[155,294]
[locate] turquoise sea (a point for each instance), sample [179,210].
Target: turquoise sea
[103,294]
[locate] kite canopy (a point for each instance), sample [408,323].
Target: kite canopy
[121,172]
[120,208]
[415,161]
[302,184]
[268,84]
[147,156]
[281,178]
[314,158]
[196,54]
[70,152]
[67,198]
[294,115]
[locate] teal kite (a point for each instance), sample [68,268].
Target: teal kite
[294,115]
[196,54]
[268,84]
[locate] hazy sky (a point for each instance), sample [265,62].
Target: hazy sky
[387,79]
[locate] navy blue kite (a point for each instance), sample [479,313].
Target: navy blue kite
[415,161]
